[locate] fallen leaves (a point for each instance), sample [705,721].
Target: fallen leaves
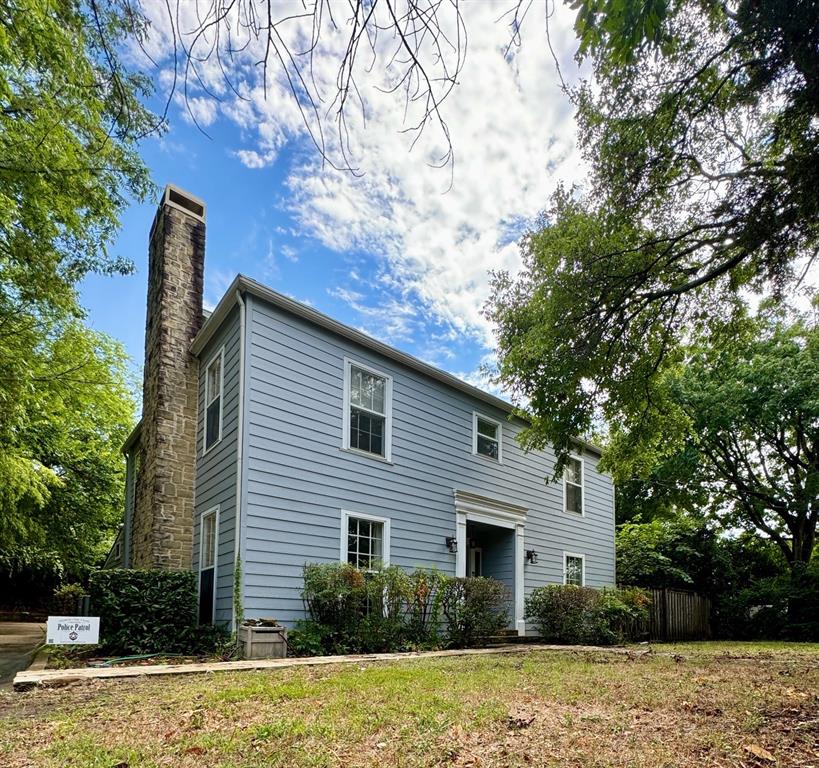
[760,753]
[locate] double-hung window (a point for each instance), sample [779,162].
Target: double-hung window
[208,533]
[574,569]
[213,400]
[368,406]
[365,540]
[486,437]
[573,486]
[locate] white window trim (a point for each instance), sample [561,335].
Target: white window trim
[345,436]
[345,527]
[211,511]
[582,569]
[475,416]
[221,355]
[582,487]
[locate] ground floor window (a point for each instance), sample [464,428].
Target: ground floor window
[574,567]
[208,535]
[365,540]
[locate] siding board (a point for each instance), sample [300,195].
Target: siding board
[216,470]
[298,478]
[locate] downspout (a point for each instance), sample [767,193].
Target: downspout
[237,537]
[130,499]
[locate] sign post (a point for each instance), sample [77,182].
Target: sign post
[73,630]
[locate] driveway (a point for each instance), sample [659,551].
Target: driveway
[18,640]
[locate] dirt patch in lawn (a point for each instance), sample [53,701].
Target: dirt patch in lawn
[535,709]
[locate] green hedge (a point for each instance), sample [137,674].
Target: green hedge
[582,615]
[475,609]
[355,611]
[148,612]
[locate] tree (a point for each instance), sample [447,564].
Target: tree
[680,552]
[71,115]
[752,434]
[70,119]
[63,474]
[700,133]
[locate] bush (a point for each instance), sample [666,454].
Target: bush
[623,615]
[353,611]
[424,590]
[306,639]
[781,607]
[564,614]
[67,599]
[582,615]
[146,611]
[475,609]
[335,595]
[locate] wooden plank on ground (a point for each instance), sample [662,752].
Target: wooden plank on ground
[57,677]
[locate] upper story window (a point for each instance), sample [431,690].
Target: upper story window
[213,400]
[368,410]
[574,569]
[486,437]
[365,540]
[573,486]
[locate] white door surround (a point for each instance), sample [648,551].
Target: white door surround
[470,507]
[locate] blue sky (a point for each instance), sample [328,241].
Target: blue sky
[394,250]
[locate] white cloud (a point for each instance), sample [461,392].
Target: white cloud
[513,135]
[216,284]
[392,320]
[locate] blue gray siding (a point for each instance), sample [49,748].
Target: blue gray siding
[216,470]
[298,478]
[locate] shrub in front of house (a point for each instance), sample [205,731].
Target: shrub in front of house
[424,593]
[148,612]
[390,609]
[586,616]
[475,608]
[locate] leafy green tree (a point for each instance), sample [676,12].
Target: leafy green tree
[752,435]
[700,134]
[71,115]
[70,118]
[681,552]
[67,447]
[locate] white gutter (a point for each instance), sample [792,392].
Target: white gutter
[237,537]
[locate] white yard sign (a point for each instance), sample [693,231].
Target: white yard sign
[73,630]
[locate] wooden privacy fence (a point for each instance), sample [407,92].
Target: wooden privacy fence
[679,615]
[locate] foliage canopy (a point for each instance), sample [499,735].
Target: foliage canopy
[71,115]
[701,136]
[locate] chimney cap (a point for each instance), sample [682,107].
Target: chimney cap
[176,197]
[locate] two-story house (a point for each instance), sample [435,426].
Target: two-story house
[273,435]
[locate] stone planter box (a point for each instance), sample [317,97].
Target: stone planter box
[263,642]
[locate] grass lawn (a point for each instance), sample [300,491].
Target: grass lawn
[710,704]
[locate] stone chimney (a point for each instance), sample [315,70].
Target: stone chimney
[162,533]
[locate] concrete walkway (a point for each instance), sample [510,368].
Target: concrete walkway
[58,677]
[18,640]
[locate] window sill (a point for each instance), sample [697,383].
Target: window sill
[373,456]
[576,515]
[484,457]
[213,447]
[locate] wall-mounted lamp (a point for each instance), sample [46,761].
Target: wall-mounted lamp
[452,544]
[531,556]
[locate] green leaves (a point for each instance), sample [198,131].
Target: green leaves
[70,119]
[619,29]
[61,470]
